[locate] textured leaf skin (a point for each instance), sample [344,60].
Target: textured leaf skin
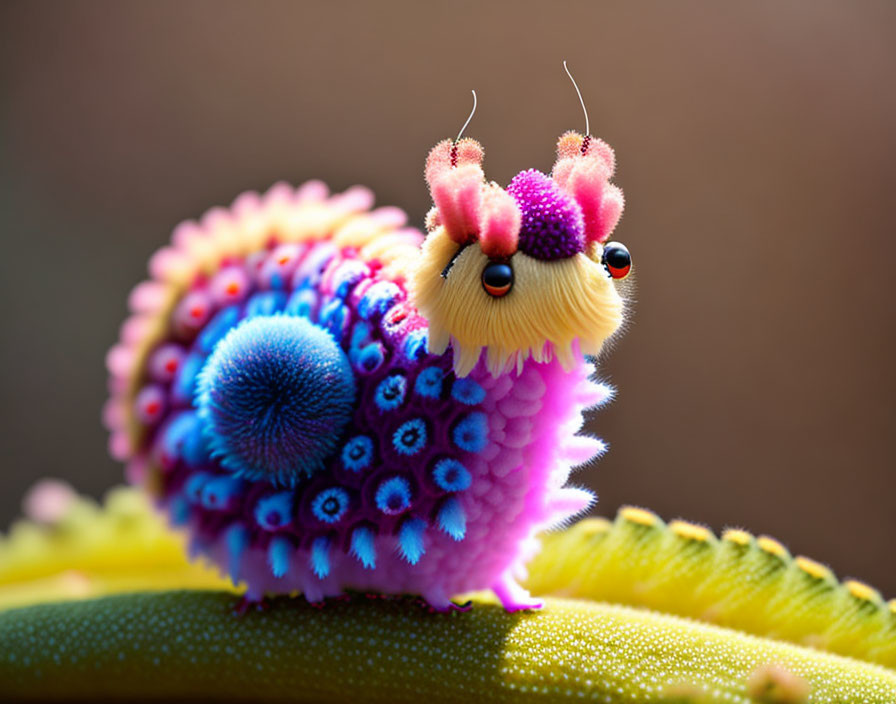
[738,581]
[391,650]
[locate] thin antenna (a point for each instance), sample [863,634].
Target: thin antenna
[576,86]
[472,112]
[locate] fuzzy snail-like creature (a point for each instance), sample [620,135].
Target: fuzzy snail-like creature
[327,400]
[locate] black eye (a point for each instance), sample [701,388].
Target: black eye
[497,279]
[617,260]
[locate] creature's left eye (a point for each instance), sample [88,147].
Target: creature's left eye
[617,260]
[497,279]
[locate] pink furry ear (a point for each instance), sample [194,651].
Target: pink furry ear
[572,144]
[457,194]
[456,181]
[499,223]
[583,169]
[447,154]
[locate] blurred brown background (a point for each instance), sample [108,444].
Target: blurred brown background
[756,148]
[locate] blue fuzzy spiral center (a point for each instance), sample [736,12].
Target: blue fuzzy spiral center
[274,397]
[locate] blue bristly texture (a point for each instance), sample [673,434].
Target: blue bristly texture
[320,556]
[410,540]
[279,552]
[363,546]
[471,433]
[237,539]
[452,518]
[274,397]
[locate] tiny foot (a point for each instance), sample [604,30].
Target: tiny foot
[461,608]
[444,606]
[247,603]
[527,605]
[513,597]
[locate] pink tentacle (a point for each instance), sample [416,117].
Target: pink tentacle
[500,224]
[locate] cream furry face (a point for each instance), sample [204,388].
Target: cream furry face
[554,309]
[525,272]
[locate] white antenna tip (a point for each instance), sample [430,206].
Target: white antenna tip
[579,93]
[472,112]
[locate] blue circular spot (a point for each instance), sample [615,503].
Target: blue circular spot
[393,496]
[410,437]
[311,268]
[274,511]
[184,385]
[194,485]
[265,303]
[217,327]
[390,392]
[221,493]
[347,275]
[330,505]
[471,433]
[378,299]
[360,335]
[370,358]
[179,510]
[358,453]
[302,302]
[274,398]
[467,391]
[334,317]
[451,475]
[182,439]
[415,345]
[429,382]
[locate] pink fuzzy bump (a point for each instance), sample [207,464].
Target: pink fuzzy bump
[586,177]
[353,200]
[469,151]
[438,161]
[457,194]
[48,501]
[311,191]
[389,216]
[572,144]
[447,154]
[499,224]
[147,297]
[601,208]
[120,360]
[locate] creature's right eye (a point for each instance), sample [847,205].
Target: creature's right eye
[497,279]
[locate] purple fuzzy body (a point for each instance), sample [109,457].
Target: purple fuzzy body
[443,493]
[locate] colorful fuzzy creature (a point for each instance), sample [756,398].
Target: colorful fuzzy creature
[327,400]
